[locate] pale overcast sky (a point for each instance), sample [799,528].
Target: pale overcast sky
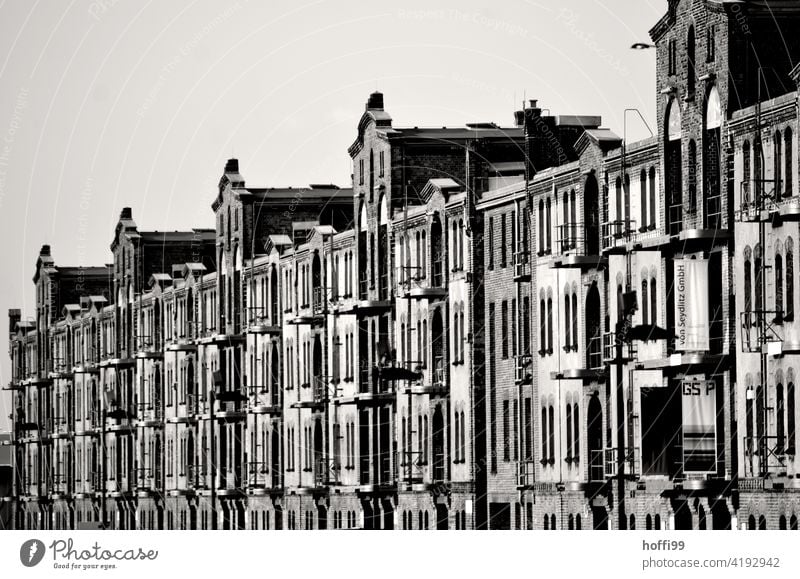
[116,103]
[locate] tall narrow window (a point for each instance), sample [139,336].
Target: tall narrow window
[574,320]
[541,227]
[549,226]
[504,329]
[490,244]
[777,162]
[643,198]
[790,416]
[778,287]
[780,417]
[569,432]
[644,299]
[652,186]
[542,327]
[789,295]
[503,240]
[653,302]
[549,325]
[690,62]
[567,323]
[788,151]
[576,426]
[618,198]
[692,177]
[551,434]
[506,432]
[544,434]
[748,281]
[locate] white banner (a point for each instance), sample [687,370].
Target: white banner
[691,305]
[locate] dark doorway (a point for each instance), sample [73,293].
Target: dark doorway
[441,518]
[438,445]
[594,438]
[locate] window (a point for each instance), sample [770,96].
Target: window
[492,392]
[549,325]
[711,43]
[567,323]
[361,171]
[777,162]
[692,177]
[574,320]
[748,284]
[790,415]
[549,226]
[652,179]
[789,275]
[514,327]
[544,435]
[490,245]
[672,57]
[690,62]
[644,301]
[506,432]
[542,327]
[778,287]
[504,329]
[653,301]
[643,198]
[788,149]
[382,167]
[618,198]
[541,227]
[503,240]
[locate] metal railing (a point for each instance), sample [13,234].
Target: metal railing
[526,472]
[594,353]
[764,455]
[327,472]
[617,230]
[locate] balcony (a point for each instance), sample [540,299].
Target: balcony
[762,331]
[196,477]
[760,200]
[259,323]
[149,415]
[327,472]
[574,244]
[258,477]
[592,368]
[616,234]
[146,481]
[411,467]
[765,455]
[611,462]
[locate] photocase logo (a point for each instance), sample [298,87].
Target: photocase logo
[31,552]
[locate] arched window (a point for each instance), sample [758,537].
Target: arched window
[551,434]
[648,522]
[576,428]
[758,270]
[657,522]
[762,523]
[778,285]
[653,301]
[574,320]
[461,244]
[569,430]
[632,524]
[567,323]
[789,294]
[618,198]
[544,434]
[673,167]
[751,523]
[644,299]
[790,416]
[549,325]
[553,522]
[571,522]
[782,523]
[748,280]
[546,523]
[577,522]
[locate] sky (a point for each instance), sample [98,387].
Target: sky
[107,104]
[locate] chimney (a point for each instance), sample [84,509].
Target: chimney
[232,166]
[45,251]
[519,118]
[375,101]
[14,316]
[126,213]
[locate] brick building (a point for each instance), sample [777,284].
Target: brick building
[537,326]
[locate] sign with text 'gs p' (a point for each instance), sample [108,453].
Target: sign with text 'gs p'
[699,405]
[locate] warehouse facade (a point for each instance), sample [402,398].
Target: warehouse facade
[537,326]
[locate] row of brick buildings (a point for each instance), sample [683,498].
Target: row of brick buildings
[538,326]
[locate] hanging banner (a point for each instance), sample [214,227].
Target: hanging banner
[699,426]
[691,305]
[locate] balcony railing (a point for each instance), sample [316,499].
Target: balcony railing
[631,460]
[765,455]
[411,469]
[614,232]
[195,476]
[319,300]
[327,472]
[438,378]
[610,348]
[257,474]
[760,328]
[675,219]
